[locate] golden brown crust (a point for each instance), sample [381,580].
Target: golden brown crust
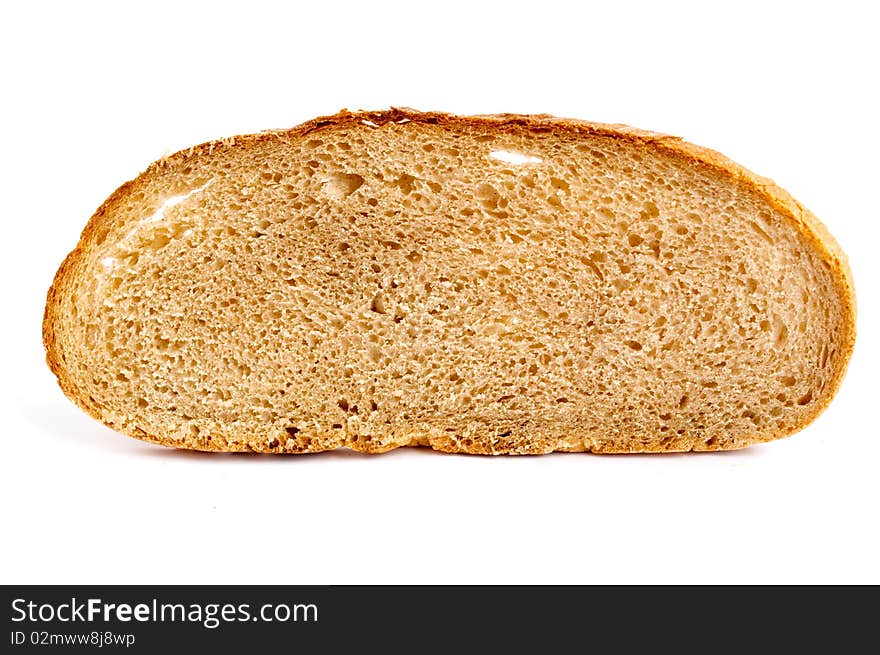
[805,222]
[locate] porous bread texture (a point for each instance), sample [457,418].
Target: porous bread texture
[504,284]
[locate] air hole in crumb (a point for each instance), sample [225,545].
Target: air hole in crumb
[488,196]
[592,266]
[405,183]
[341,185]
[805,399]
[560,184]
[160,240]
[634,240]
[650,211]
[343,405]
[781,334]
[378,304]
[635,345]
[757,228]
[787,380]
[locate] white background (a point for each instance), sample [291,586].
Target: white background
[91,94]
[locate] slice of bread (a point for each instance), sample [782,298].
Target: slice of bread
[492,284]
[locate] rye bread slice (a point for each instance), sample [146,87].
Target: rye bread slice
[492,284]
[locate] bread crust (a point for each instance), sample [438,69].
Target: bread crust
[807,224]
